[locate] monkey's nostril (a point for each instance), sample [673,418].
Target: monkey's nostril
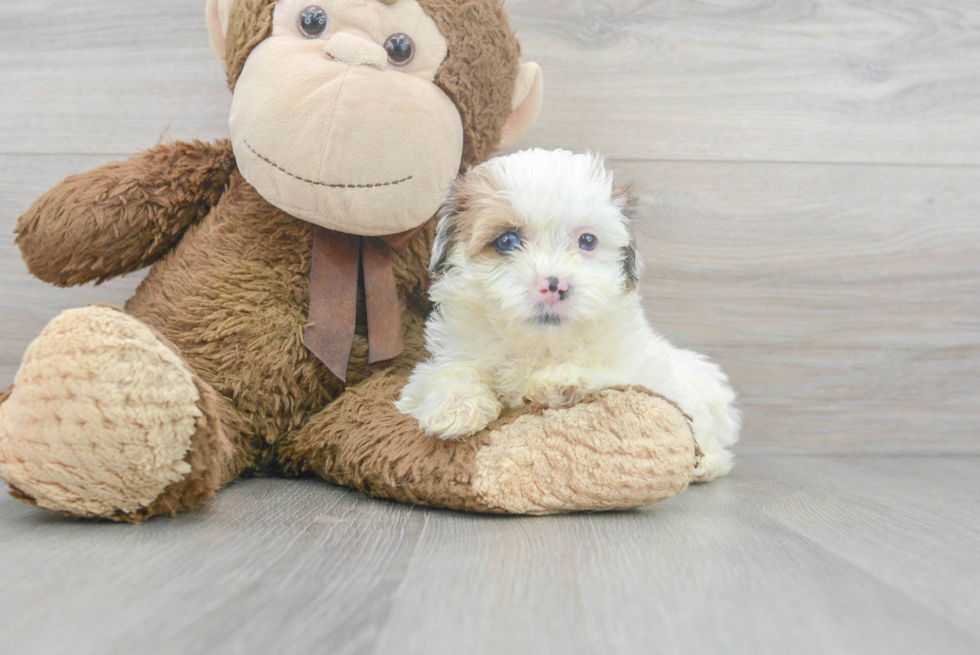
[353,50]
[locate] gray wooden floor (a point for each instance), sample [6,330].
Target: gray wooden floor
[807,554]
[810,182]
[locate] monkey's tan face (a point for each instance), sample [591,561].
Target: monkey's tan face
[336,119]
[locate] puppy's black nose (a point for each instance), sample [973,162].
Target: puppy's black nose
[552,289]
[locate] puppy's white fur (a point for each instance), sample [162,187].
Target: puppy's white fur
[494,343]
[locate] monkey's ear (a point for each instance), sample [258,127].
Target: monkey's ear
[218,12]
[528,95]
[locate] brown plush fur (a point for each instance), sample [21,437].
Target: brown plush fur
[233,297]
[229,292]
[249,24]
[478,78]
[361,441]
[109,222]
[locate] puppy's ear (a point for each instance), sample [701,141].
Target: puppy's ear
[624,197]
[632,265]
[446,233]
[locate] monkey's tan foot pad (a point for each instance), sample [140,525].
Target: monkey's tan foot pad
[616,449]
[100,419]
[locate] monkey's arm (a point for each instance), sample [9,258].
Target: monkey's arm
[616,449]
[123,216]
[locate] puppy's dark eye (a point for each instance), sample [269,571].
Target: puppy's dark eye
[400,49]
[313,22]
[587,242]
[508,242]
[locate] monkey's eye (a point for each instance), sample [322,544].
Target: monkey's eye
[588,242]
[508,242]
[313,22]
[400,48]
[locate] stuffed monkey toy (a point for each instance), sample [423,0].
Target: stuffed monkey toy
[285,303]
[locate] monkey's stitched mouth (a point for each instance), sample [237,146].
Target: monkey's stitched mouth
[324,184]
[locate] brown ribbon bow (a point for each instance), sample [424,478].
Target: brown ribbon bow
[337,260]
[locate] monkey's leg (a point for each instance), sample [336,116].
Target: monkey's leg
[615,449]
[105,420]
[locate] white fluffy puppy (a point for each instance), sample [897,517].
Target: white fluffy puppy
[536,275]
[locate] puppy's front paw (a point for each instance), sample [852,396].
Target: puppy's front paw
[459,413]
[560,385]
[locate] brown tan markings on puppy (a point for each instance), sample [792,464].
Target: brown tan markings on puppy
[495,219]
[483,213]
[476,213]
